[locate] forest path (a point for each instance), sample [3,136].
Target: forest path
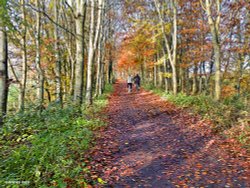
[151,143]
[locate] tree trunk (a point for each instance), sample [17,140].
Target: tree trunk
[174,38]
[24,61]
[214,29]
[58,67]
[217,72]
[172,54]
[102,72]
[79,66]
[200,78]
[143,71]
[13,71]
[3,69]
[98,73]
[72,67]
[183,79]
[100,54]
[110,68]
[188,87]
[101,80]
[240,63]
[90,56]
[47,90]
[159,73]
[165,66]
[72,77]
[145,78]
[195,84]
[40,88]
[208,77]
[155,73]
[93,39]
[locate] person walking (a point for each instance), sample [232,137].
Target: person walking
[137,81]
[129,83]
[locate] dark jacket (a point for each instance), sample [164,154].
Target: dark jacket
[137,79]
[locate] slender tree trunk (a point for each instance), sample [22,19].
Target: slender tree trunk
[79,66]
[240,64]
[187,81]
[70,43]
[159,74]
[208,77]
[13,71]
[143,71]
[98,73]
[90,56]
[104,40]
[200,78]
[24,61]
[100,54]
[214,29]
[155,74]
[58,67]
[47,90]
[100,69]
[40,88]
[165,66]
[102,76]
[195,84]
[217,72]
[72,77]
[66,74]
[3,69]
[145,78]
[110,68]
[101,80]
[239,73]
[174,38]
[183,79]
[93,39]
[172,54]
[72,68]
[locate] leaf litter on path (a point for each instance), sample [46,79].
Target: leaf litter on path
[151,143]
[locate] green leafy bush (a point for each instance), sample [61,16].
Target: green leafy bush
[13,98]
[45,148]
[149,86]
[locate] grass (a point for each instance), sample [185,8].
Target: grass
[47,149]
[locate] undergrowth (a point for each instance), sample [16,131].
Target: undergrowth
[230,116]
[47,149]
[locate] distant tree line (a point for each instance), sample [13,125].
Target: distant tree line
[193,47]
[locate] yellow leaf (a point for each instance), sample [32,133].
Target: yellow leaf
[18,140]
[100,181]
[167,75]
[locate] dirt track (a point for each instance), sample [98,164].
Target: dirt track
[151,143]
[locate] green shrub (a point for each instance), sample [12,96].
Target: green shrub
[41,143]
[149,86]
[12,98]
[45,148]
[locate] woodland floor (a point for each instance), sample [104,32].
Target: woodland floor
[151,143]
